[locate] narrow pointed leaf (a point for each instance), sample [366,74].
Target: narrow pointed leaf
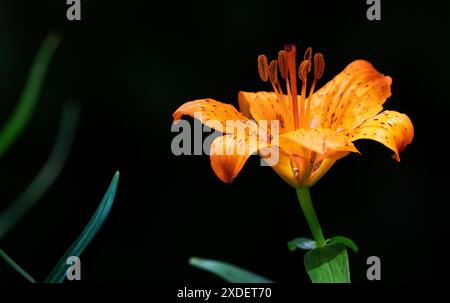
[16,266]
[344,240]
[27,102]
[58,273]
[49,172]
[302,243]
[228,272]
[328,264]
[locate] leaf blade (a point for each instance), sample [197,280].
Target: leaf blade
[27,101]
[16,266]
[302,243]
[48,173]
[57,275]
[229,272]
[344,240]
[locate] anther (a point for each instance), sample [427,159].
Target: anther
[304,69]
[319,66]
[263,67]
[308,54]
[282,63]
[273,72]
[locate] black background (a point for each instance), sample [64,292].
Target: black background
[131,64]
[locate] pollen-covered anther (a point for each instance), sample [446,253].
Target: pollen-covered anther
[282,63]
[308,54]
[263,68]
[319,66]
[304,69]
[273,72]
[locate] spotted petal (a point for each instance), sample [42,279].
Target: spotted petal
[323,141]
[393,129]
[353,96]
[266,106]
[212,113]
[284,169]
[230,152]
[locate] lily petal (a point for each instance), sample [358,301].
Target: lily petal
[353,96]
[323,141]
[229,154]
[284,169]
[390,128]
[266,106]
[210,112]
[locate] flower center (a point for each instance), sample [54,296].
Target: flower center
[302,167]
[286,63]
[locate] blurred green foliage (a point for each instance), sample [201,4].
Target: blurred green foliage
[15,125]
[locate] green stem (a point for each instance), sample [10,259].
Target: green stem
[16,266]
[305,202]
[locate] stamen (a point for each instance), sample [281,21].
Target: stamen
[273,72]
[308,54]
[282,63]
[319,66]
[263,68]
[296,166]
[291,67]
[304,69]
[273,76]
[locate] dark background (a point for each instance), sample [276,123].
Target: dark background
[131,64]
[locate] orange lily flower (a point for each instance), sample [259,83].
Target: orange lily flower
[315,128]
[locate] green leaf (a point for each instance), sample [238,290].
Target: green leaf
[19,119]
[328,264]
[302,243]
[228,272]
[49,172]
[16,266]
[58,273]
[344,240]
